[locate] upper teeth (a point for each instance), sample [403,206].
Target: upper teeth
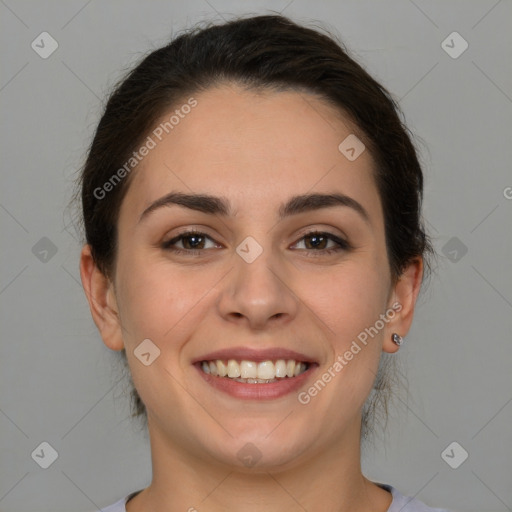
[265,370]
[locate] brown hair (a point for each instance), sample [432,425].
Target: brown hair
[257,52]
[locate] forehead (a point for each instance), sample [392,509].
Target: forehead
[252,146]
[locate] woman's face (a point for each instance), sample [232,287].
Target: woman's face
[254,285]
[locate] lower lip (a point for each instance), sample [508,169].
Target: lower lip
[246,391]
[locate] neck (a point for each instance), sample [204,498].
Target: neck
[329,480]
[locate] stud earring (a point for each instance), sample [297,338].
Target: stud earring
[397,339]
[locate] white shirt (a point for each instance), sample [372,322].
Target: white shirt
[400,503]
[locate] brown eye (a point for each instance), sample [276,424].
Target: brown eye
[191,241]
[317,242]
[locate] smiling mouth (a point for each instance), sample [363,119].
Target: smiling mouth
[252,372]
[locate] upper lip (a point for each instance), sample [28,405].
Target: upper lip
[256,355]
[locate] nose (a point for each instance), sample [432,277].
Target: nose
[258,294]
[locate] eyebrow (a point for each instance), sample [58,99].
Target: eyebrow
[213,205]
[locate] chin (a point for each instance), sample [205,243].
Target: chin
[261,452]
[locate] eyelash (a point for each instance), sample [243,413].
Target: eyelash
[343,245]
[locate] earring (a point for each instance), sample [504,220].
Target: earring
[397,339]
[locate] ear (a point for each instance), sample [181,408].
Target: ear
[99,291]
[402,301]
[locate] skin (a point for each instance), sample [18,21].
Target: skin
[256,149]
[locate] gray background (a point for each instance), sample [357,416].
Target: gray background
[59,383]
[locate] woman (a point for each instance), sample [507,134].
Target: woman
[252,210]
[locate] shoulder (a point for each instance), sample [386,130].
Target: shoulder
[400,503]
[403,503]
[120,506]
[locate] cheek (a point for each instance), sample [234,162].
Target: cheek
[160,301]
[351,298]
[351,305]
[352,309]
